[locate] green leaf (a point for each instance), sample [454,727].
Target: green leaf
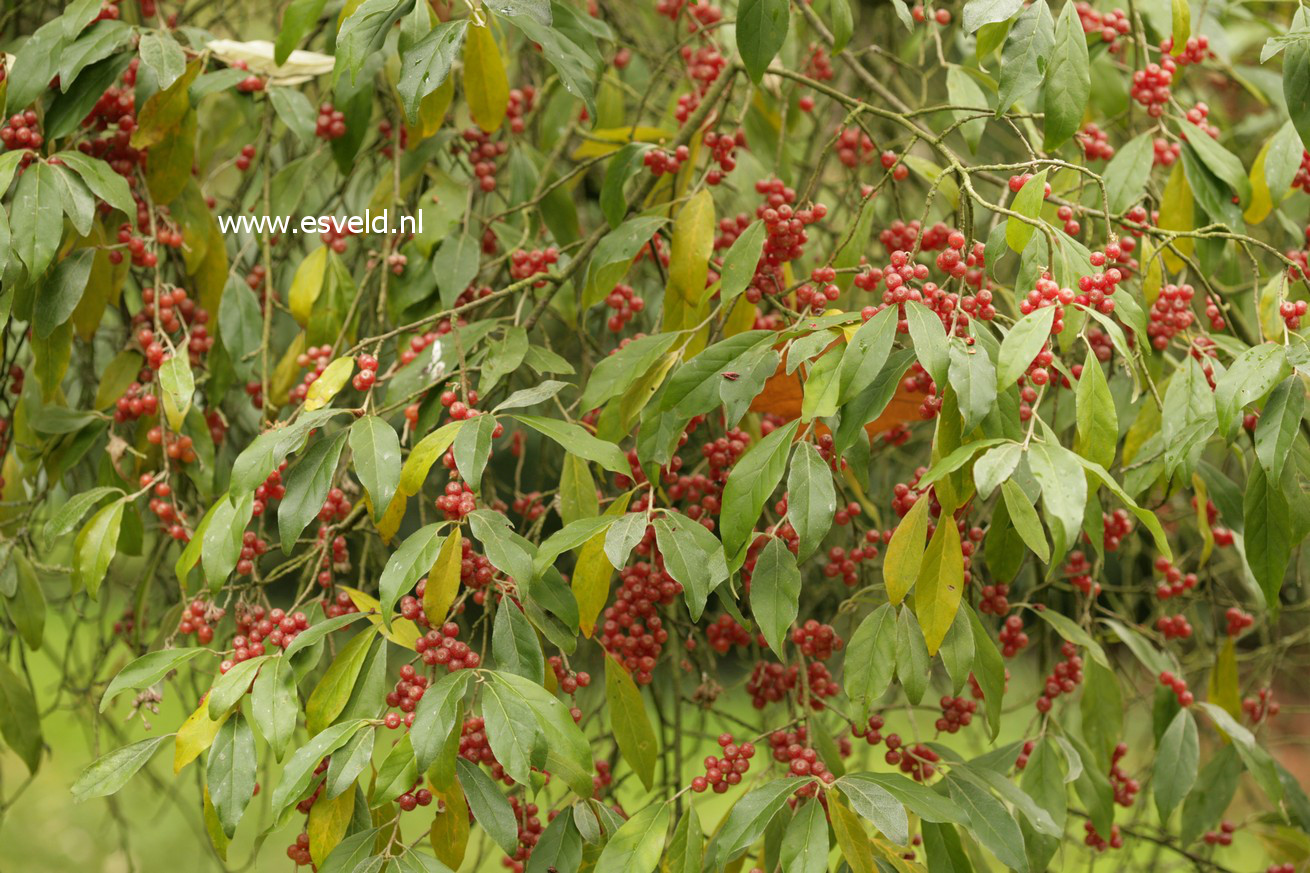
[941,585]
[904,557]
[308,484]
[988,670]
[1074,633]
[62,291]
[613,256]
[514,643]
[929,340]
[638,845]
[990,823]
[752,481]
[1225,165]
[963,90]
[978,13]
[693,388]
[1025,55]
[876,803]
[575,439]
[489,807]
[406,564]
[376,452]
[1101,708]
[1255,372]
[1267,532]
[1279,424]
[913,663]
[567,754]
[472,450]
[20,721]
[1212,793]
[297,21]
[692,556]
[428,62]
[811,498]
[871,659]
[230,771]
[512,732]
[575,67]
[866,354]
[775,592]
[363,33]
[615,373]
[1068,80]
[436,717]
[147,670]
[1028,203]
[994,467]
[630,722]
[299,769]
[622,168]
[974,379]
[1097,421]
[110,772]
[1064,494]
[1126,174]
[921,800]
[761,31]
[507,551]
[275,705]
[748,819]
[1022,343]
[1253,754]
[740,262]
[95,547]
[165,58]
[334,690]
[805,843]
[1176,762]
[36,216]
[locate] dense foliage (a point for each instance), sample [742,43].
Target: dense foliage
[908,399]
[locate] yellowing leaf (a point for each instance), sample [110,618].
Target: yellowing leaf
[689,264]
[856,847]
[486,86]
[1262,202]
[940,586]
[608,140]
[306,285]
[329,383]
[402,632]
[195,735]
[449,834]
[900,568]
[591,575]
[1223,690]
[443,579]
[328,820]
[630,722]
[432,111]
[1177,213]
[287,372]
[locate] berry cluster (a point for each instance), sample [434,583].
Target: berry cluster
[22,131]
[1260,707]
[335,507]
[771,682]
[269,490]
[405,696]
[1078,570]
[994,599]
[316,358]
[785,236]
[199,618]
[816,640]
[957,712]
[1117,526]
[625,303]
[331,123]
[873,733]
[1175,582]
[1238,621]
[441,647]
[368,373]
[482,153]
[1151,86]
[251,548]
[1110,25]
[1221,837]
[1171,314]
[1174,627]
[632,630]
[524,264]
[723,150]
[1012,637]
[1178,685]
[662,163]
[134,404]
[792,748]
[1099,843]
[726,633]
[1125,787]
[1065,677]
[724,772]
[569,681]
